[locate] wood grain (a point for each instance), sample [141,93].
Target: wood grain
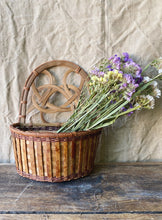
[19,153]
[39,158]
[113,191]
[24,156]
[31,157]
[81,217]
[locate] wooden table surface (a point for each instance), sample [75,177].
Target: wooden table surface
[112,191]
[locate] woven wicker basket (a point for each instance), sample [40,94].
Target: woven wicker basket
[42,154]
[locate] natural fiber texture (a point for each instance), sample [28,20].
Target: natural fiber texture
[46,156]
[40,153]
[41,101]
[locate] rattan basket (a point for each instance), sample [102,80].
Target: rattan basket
[42,154]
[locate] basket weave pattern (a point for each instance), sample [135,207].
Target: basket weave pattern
[40,153]
[54,157]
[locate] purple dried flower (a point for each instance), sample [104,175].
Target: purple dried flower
[116,59]
[109,67]
[136,85]
[110,58]
[128,77]
[129,114]
[101,73]
[95,71]
[130,105]
[139,71]
[113,102]
[130,60]
[138,80]
[113,91]
[118,66]
[130,94]
[123,109]
[128,98]
[126,56]
[124,85]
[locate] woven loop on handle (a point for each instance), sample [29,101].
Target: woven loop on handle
[35,73]
[26,88]
[22,116]
[23,102]
[42,94]
[77,70]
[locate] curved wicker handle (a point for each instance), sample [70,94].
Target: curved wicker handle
[73,67]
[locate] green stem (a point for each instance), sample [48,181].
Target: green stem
[114,118]
[98,101]
[107,116]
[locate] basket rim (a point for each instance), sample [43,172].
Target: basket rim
[13,129]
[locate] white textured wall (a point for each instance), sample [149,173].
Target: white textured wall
[83,31]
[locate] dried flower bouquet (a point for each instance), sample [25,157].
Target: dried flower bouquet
[117,87]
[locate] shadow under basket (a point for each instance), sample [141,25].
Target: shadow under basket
[43,155]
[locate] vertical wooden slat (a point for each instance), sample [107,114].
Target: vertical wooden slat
[73,153]
[19,153]
[87,146]
[39,159]
[15,152]
[61,159]
[96,141]
[57,159]
[53,159]
[47,159]
[76,158]
[31,157]
[24,156]
[71,158]
[84,155]
[89,153]
[65,159]
[44,159]
[92,152]
[80,156]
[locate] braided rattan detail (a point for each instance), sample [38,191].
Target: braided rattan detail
[42,94]
[45,133]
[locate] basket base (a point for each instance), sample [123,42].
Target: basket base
[54,179]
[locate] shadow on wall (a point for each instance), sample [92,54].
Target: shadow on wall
[134,138]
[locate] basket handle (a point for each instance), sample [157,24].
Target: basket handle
[23,103]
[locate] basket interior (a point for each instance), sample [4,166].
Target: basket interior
[37,128]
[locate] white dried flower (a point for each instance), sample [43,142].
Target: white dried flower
[146,79]
[157,93]
[154,84]
[150,97]
[160,70]
[137,105]
[142,96]
[151,101]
